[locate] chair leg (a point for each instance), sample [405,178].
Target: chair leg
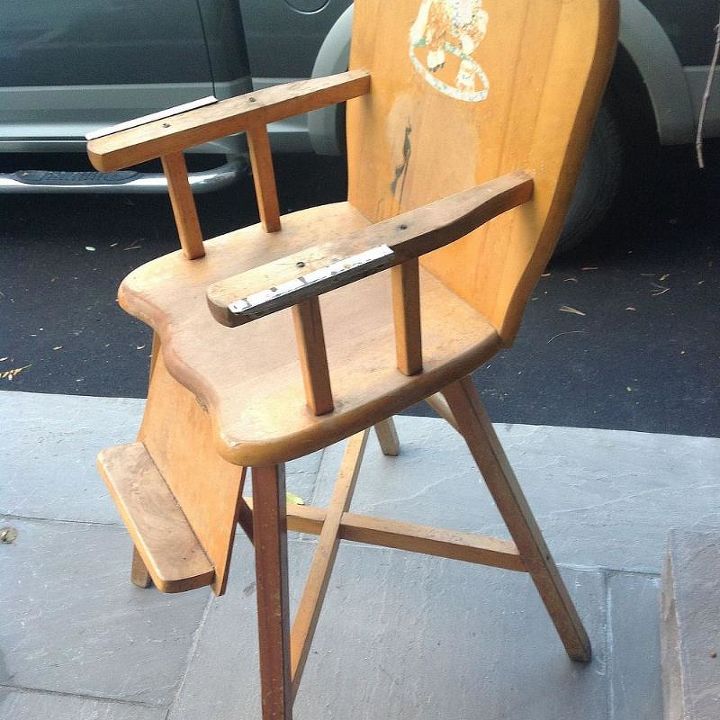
[476,428]
[138,572]
[387,437]
[439,404]
[271,574]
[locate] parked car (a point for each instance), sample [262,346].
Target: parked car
[70,68]
[67,69]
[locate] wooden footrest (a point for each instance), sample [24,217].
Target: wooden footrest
[162,535]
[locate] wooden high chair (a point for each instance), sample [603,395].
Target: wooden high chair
[466,125]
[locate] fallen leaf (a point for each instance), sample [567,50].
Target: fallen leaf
[294,499]
[569,332]
[574,311]
[8,535]
[58,347]
[11,374]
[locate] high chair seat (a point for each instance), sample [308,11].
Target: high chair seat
[249,378]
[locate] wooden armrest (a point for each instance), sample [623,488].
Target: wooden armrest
[226,117]
[316,270]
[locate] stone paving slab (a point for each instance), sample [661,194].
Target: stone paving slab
[402,635]
[28,705]
[48,448]
[407,636]
[635,682]
[602,497]
[691,626]
[71,622]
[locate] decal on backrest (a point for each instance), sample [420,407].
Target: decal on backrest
[443,39]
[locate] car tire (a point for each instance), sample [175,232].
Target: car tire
[598,183]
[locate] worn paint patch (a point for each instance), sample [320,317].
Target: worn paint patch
[443,42]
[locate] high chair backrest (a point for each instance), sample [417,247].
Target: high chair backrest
[464,91]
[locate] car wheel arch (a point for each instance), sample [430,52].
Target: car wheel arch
[325,126]
[656,61]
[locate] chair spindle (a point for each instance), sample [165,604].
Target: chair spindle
[183,205]
[406,312]
[264,177]
[313,356]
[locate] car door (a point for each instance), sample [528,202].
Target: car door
[70,67]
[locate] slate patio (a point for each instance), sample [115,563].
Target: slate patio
[401,635]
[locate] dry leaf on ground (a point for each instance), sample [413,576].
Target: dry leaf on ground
[11,374]
[574,311]
[294,499]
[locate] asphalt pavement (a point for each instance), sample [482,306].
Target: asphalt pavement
[621,334]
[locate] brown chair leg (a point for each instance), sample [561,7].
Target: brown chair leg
[271,573]
[479,434]
[387,437]
[138,572]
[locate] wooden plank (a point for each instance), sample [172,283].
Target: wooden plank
[522,93]
[177,432]
[487,451]
[308,611]
[183,205]
[236,114]
[423,539]
[300,275]
[313,356]
[264,177]
[406,314]
[450,544]
[139,574]
[273,602]
[160,531]
[387,437]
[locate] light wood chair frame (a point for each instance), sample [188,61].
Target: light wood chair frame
[267,517]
